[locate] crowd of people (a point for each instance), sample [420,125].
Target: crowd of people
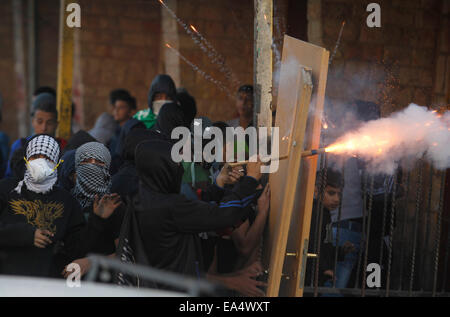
[114,190]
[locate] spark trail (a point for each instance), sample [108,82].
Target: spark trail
[208,77]
[216,58]
[205,46]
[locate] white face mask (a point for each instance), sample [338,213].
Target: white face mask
[158,104]
[40,169]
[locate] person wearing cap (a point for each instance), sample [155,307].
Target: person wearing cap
[42,227]
[44,121]
[244,107]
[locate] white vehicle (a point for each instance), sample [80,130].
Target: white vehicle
[23,286]
[20,286]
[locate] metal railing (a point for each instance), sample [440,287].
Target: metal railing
[193,287]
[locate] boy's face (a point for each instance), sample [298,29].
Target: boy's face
[92,161]
[44,122]
[160,96]
[122,112]
[244,103]
[331,197]
[38,156]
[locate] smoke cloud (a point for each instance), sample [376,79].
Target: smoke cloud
[410,134]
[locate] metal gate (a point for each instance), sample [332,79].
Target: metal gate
[407,226]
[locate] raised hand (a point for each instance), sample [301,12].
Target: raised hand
[254,169]
[229,175]
[105,206]
[264,200]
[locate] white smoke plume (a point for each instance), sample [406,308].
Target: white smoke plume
[410,134]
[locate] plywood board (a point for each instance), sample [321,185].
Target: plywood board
[296,185]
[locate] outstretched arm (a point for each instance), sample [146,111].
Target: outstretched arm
[247,237]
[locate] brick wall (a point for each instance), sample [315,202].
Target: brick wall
[7,85]
[403,50]
[393,65]
[120,45]
[119,48]
[442,74]
[47,30]
[228,26]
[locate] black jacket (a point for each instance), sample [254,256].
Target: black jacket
[168,222]
[125,181]
[56,211]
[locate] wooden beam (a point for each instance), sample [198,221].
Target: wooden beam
[263,33]
[290,213]
[301,220]
[65,74]
[304,84]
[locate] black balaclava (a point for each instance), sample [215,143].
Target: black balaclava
[170,116]
[161,84]
[128,127]
[188,105]
[156,169]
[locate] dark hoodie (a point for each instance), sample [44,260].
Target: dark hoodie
[126,181]
[188,105]
[66,171]
[162,84]
[116,156]
[77,140]
[169,223]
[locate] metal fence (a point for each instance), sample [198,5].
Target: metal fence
[404,229]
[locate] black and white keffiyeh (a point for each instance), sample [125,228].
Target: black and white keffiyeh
[45,145]
[92,179]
